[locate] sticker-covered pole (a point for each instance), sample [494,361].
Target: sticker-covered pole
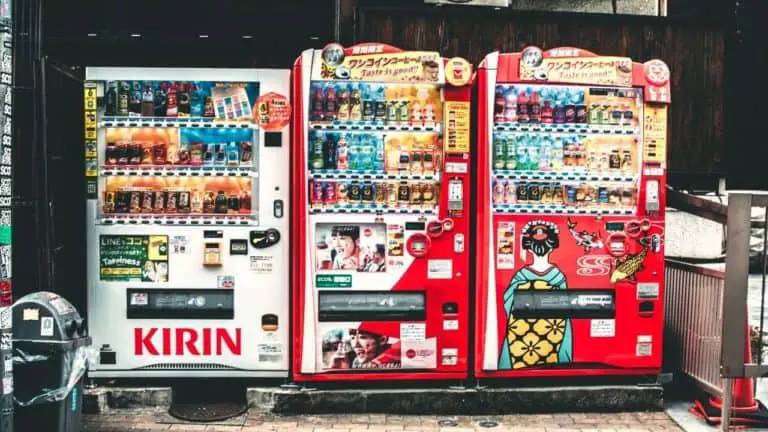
[6,299]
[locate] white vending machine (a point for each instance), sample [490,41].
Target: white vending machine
[188,194]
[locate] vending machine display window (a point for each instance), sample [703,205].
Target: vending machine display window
[188,179]
[382,159]
[572,151]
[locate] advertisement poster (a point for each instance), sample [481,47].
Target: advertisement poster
[457,127]
[655,133]
[563,69]
[346,347]
[377,62]
[358,247]
[133,258]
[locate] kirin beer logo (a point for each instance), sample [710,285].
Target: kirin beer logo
[594,265]
[187,341]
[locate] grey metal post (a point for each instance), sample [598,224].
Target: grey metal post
[725,416]
[735,295]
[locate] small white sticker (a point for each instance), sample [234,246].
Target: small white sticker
[656,171]
[8,385]
[6,318]
[179,245]
[458,243]
[270,352]
[456,167]
[644,338]
[139,299]
[46,326]
[602,328]
[449,356]
[261,264]
[8,363]
[6,341]
[440,269]
[647,290]
[31,314]
[413,332]
[449,325]
[644,349]
[225,281]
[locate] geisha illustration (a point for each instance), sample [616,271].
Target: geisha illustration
[538,341]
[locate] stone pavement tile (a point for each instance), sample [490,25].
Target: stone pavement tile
[187,427]
[222,428]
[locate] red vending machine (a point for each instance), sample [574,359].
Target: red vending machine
[380,190]
[571,200]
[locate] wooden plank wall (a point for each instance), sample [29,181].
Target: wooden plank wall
[693,53]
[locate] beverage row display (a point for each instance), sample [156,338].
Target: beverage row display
[175,200]
[392,194]
[170,146]
[161,153]
[556,153]
[572,194]
[564,105]
[192,195]
[396,153]
[381,104]
[177,99]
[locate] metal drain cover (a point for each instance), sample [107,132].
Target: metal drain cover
[488,424]
[447,423]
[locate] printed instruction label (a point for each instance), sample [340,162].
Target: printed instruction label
[647,290]
[419,354]
[8,385]
[46,326]
[450,325]
[261,264]
[413,331]
[439,269]
[456,167]
[602,328]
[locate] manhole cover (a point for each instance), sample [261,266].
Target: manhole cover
[488,424]
[207,412]
[447,423]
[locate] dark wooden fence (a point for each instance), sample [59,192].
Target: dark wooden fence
[694,54]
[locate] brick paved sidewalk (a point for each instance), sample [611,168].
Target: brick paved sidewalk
[257,422]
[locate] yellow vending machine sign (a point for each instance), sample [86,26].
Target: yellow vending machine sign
[655,134]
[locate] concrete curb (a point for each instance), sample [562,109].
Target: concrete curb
[492,401]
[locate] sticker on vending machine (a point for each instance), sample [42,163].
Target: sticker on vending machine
[505,246]
[6,318]
[261,264]
[7,363]
[46,326]
[602,328]
[225,281]
[439,269]
[413,331]
[419,354]
[179,245]
[8,385]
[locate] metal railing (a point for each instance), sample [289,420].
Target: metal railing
[693,322]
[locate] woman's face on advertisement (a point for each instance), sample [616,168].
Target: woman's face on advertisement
[344,245]
[366,346]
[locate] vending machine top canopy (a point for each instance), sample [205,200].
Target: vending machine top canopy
[568,65]
[376,62]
